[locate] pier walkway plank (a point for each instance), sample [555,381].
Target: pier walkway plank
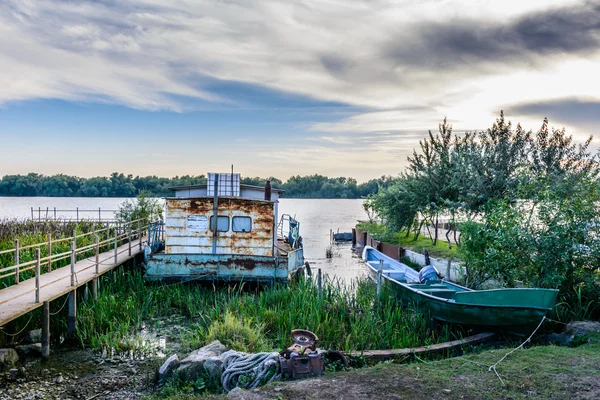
[19,299]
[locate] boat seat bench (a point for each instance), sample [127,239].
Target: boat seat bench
[445,293]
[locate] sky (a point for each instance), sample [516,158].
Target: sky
[281,88]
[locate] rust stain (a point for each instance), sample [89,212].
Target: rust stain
[258,241]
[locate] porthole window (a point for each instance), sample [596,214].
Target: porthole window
[222,223]
[241,224]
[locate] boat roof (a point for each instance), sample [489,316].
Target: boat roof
[242,186]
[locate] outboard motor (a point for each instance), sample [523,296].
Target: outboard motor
[428,273]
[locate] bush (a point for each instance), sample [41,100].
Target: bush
[238,334]
[144,207]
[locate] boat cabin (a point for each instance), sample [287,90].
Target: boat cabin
[225,230]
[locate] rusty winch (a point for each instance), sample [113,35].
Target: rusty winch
[302,359]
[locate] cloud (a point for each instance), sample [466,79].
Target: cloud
[452,44]
[153,55]
[570,111]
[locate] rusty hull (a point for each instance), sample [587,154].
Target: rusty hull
[222,267]
[258,242]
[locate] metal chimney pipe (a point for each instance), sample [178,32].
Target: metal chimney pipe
[268,190]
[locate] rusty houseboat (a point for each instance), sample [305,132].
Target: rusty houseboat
[247,240]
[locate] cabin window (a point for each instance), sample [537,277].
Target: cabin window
[222,223]
[241,224]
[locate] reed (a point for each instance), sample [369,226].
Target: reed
[345,317]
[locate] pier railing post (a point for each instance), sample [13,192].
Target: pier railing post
[116,240]
[95,279]
[379,278]
[73,259]
[139,234]
[37,275]
[17,262]
[97,243]
[129,237]
[49,252]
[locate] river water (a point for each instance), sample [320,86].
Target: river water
[316,216]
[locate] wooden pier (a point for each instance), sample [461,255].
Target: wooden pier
[87,263]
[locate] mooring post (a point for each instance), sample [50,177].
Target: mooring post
[379,278]
[49,252]
[37,275]
[448,269]
[320,284]
[116,240]
[72,321]
[46,330]
[17,256]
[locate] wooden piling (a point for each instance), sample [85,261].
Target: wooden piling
[72,321]
[320,283]
[46,330]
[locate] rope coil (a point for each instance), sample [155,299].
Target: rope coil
[261,368]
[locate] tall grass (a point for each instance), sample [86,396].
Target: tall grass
[344,317]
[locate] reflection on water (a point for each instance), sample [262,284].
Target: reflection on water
[316,216]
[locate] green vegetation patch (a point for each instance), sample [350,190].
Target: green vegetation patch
[410,241]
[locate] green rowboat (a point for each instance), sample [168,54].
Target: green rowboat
[513,309]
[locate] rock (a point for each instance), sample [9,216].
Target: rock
[580,328]
[233,391]
[167,368]
[576,333]
[192,367]
[8,358]
[29,350]
[214,367]
[33,336]
[59,379]
[213,349]
[559,339]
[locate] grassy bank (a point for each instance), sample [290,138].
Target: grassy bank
[421,244]
[546,372]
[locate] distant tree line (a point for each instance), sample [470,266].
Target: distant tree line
[121,185]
